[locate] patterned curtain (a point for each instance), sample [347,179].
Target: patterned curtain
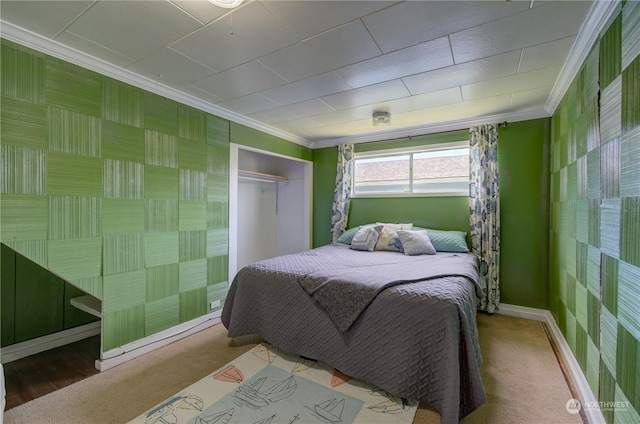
[484,205]
[342,192]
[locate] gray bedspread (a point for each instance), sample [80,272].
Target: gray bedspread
[343,293]
[417,340]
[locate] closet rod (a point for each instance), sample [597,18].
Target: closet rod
[257,176]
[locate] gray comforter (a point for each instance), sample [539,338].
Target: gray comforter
[416,339]
[343,293]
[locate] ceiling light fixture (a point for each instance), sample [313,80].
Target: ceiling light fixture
[227,4]
[381,118]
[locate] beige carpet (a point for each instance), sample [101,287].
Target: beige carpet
[523,380]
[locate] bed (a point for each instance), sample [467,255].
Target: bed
[414,334]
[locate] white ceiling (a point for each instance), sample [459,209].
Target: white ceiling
[314,72]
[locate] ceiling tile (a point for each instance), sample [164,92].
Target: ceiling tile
[530,80]
[203,95]
[204,11]
[556,20]
[414,22]
[42,17]
[469,109]
[412,60]
[309,88]
[248,78]
[176,70]
[247,33]
[297,110]
[342,46]
[465,73]
[545,55]
[93,49]
[408,104]
[133,28]
[421,101]
[249,104]
[366,95]
[307,18]
[344,116]
[299,124]
[261,118]
[530,98]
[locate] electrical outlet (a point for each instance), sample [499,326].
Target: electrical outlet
[215,304]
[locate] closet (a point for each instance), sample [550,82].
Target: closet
[271,208]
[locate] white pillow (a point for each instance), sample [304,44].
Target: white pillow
[366,238]
[388,239]
[416,242]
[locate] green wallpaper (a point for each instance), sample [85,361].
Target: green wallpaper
[595,216]
[119,191]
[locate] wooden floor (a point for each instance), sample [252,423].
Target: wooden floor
[34,376]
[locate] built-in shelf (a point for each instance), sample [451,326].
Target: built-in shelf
[88,304]
[258,176]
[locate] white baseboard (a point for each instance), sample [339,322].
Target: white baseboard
[50,341]
[145,345]
[594,415]
[534,314]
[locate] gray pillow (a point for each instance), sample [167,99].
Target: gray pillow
[366,238]
[416,242]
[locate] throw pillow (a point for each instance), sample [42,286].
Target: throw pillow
[366,238]
[416,242]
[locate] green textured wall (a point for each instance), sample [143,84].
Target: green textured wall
[523,153]
[111,188]
[524,161]
[325,162]
[121,192]
[595,216]
[250,137]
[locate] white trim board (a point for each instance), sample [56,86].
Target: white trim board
[145,345]
[594,415]
[50,341]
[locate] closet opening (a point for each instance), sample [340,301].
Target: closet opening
[269,206]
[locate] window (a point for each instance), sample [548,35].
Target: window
[435,170]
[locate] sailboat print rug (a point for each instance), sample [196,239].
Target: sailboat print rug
[268,386]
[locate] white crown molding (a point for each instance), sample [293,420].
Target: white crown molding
[45,45]
[596,21]
[593,25]
[432,128]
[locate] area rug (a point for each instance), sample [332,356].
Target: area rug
[268,386]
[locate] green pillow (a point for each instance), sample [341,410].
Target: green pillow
[447,241]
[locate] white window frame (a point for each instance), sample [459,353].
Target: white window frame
[411,151]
